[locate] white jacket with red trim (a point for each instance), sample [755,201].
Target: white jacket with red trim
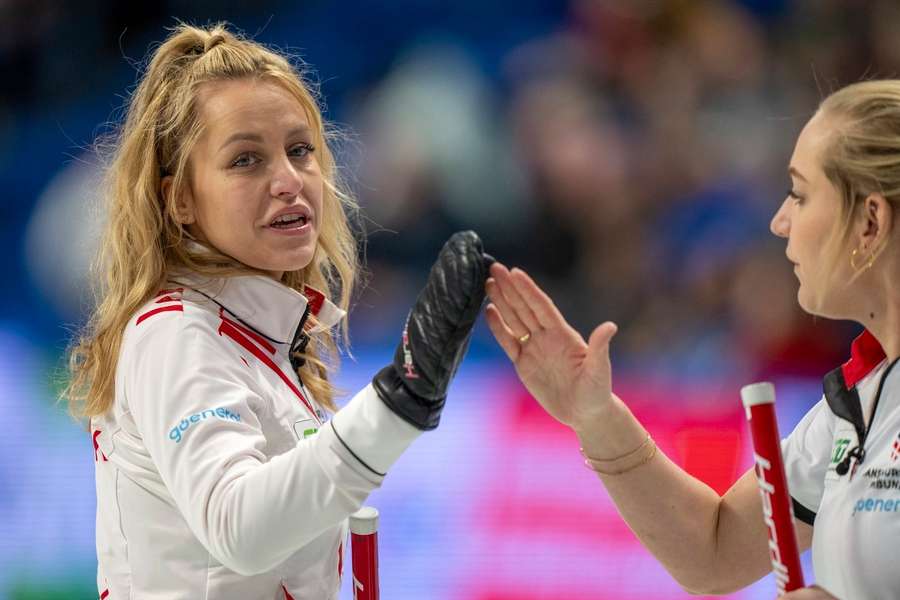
[843,468]
[216,478]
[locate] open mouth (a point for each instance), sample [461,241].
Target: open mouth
[291,221]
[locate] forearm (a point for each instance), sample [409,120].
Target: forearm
[255,520]
[709,544]
[698,536]
[259,516]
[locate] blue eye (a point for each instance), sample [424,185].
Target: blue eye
[245,160]
[302,150]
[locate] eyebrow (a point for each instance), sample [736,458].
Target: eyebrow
[249,136]
[793,171]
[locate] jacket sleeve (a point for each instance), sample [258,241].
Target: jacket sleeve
[807,456]
[200,423]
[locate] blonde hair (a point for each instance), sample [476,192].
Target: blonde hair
[143,241]
[863,154]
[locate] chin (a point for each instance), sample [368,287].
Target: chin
[818,307]
[806,303]
[285,257]
[803,305]
[297,262]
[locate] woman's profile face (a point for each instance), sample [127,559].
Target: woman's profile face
[255,190]
[807,219]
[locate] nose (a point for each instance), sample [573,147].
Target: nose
[287,181]
[781,223]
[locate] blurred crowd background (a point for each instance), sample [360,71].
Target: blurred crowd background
[627,153]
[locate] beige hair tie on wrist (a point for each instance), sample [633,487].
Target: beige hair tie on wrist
[624,463]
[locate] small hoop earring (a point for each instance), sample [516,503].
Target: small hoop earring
[858,268]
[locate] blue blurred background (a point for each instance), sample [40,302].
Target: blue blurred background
[628,153]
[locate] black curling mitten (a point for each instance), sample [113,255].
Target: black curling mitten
[436,334]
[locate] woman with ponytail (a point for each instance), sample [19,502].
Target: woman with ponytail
[226,268]
[839,220]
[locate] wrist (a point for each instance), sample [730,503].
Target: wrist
[609,431]
[619,465]
[595,421]
[420,413]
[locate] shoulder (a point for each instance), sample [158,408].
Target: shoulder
[173,351]
[171,318]
[815,429]
[817,418]
[167,302]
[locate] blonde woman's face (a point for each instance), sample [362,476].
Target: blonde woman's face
[807,219]
[255,184]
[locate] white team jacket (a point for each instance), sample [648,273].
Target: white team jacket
[856,516]
[216,478]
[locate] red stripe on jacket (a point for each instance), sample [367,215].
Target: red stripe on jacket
[228,328]
[150,313]
[258,338]
[169,291]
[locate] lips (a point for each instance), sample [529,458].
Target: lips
[288,221]
[291,218]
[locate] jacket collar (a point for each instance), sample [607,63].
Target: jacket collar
[840,384]
[269,306]
[865,354]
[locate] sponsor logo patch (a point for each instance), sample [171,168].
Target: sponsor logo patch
[221,413]
[409,366]
[305,428]
[876,505]
[840,449]
[883,478]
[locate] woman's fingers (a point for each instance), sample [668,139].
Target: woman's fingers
[597,359]
[505,310]
[540,304]
[514,302]
[498,288]
[502,333]
[601,336]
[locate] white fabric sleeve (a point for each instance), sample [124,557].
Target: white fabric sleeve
[366,413]
[199,422]
[807,455]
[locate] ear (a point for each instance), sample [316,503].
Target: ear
[183,201]
[876,220]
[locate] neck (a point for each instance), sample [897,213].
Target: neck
[882,315]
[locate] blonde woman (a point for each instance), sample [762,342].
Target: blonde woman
[228,264]
[840,220]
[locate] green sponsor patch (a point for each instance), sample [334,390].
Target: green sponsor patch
[840,448]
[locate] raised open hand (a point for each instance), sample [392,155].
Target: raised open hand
[570,378]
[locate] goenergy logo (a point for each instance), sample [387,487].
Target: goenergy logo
[220,413]
[766,490]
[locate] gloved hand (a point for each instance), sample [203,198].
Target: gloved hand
[436,334]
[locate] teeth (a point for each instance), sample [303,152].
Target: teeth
[286,219]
